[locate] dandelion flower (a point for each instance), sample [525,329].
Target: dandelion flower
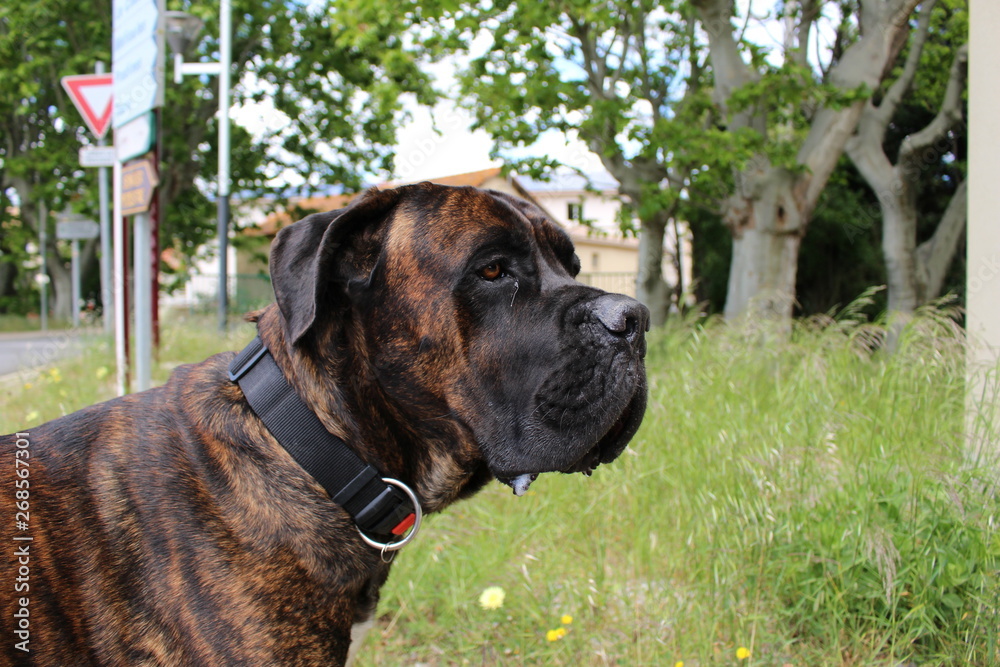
[566,619]
[679,663]
[742,653]
[102,372]
[555,635]
[32,416]
[492,598]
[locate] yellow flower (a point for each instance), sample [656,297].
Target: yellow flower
[55,375]
[492,598]
[555,635]
[32,416]
[102,372]
[28,385]
[742,653]
[566,619]
[679,663]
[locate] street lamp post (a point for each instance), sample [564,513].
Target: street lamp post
[181,33]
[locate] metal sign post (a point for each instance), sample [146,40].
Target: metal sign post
[182,30]
[139,181]
[121,285]
[92,95]
[74,228]
[137,50]
[107,289]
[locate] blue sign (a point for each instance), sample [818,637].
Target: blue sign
[137,58]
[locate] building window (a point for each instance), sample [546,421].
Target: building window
[595,262]
[574,211]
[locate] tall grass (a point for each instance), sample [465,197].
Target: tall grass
[802,496]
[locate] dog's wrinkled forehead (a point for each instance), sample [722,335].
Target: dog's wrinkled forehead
[434,224]
[415,234]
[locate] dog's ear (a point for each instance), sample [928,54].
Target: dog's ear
[308,257]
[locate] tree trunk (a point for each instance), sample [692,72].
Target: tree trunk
[8,273]
[935,255]
[771,207]
[634,177]
[650,287]
[767,223]
[62,287]
[915,274]
[899,245]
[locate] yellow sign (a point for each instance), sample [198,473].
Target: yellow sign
[139,180]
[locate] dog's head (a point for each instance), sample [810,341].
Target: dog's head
[458,309]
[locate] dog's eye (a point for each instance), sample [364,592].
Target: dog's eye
[491,271]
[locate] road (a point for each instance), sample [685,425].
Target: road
[22,350]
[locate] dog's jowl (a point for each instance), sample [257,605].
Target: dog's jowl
[431,336]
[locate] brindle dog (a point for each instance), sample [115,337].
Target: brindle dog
[438,331]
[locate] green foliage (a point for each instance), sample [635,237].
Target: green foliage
[845,232]
[635,83]
[711,250]
[337,99]
[949,30]
[17,281]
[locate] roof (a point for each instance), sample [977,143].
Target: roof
[521,185]
[474,178]
[571,181]
[298,209]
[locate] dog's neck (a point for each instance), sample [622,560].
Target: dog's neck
[337,390]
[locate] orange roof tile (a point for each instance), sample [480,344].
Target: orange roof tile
[299,209]
[473,178]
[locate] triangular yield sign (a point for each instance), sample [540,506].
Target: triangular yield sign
[92,95]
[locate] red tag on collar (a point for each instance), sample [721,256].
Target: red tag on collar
[405,524]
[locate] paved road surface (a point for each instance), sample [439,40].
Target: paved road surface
[28,350]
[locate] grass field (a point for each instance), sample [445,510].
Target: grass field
[790,500]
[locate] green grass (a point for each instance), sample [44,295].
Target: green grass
[16,323]
[803,496]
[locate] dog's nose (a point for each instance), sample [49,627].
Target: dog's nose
[623,317]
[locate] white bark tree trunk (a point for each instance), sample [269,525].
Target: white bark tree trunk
[770,211]
[766,224]
[935,255]
[62,288]
[651,289]
[633,176]
[899,245]
[915,273]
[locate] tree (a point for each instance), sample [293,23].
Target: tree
[34,137]
[776,192]
[622,77]
[338,97]
[615,75]
[916,272]
[681,116]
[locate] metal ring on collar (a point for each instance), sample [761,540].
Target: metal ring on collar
[399,544]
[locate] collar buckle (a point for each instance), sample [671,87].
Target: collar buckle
[413,519]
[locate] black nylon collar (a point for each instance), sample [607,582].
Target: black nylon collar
[379,509]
